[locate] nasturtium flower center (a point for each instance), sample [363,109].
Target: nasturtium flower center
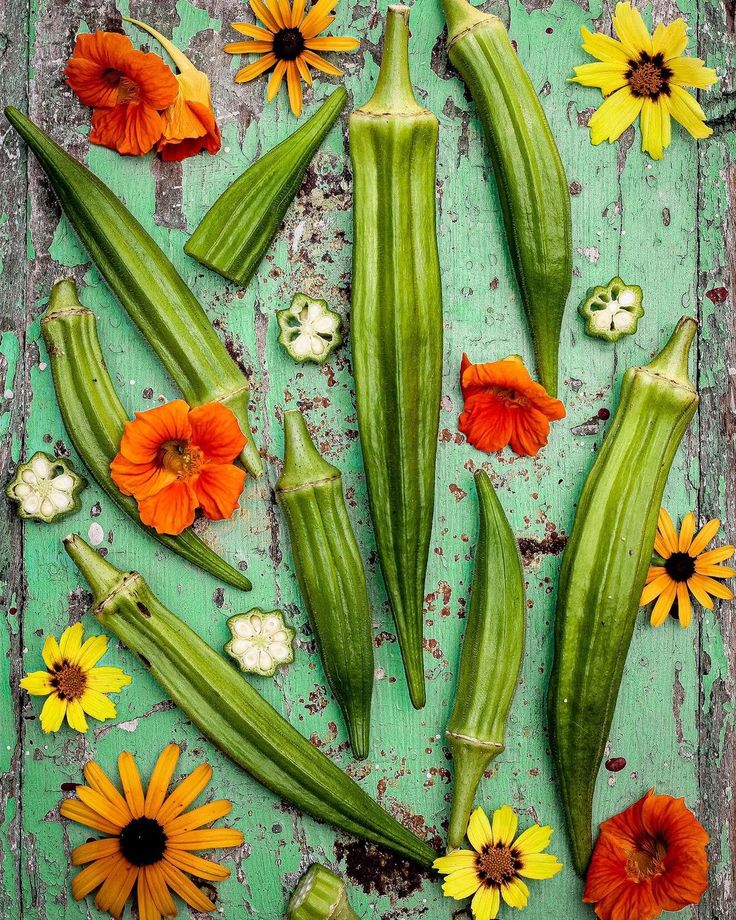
[143,842]
[182,458]
[69,681]
[680,566]
[646,860]
[510,398]
[288,44]
[496,864]
[648,76]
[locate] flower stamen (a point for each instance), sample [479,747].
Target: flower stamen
[70,681]
[143,842]
[496,864]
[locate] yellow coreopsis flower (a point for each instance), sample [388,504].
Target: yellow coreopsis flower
[644,75]
[72,684]
[498,863]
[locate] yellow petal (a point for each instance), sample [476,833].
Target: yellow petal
[51,653]
[651,129]
[667,531]
[98,780]
[666,122]
[534,839]
[713,556]
[699,593]
[91,652]
[687,71]
[108,808]
[245,28]
[604,47]
[185,793]
[195,865]
[107,680]
[71,642]
[304,70]
[37,683]
[316,26]
[130,779]
[685,109]
[52,713]
[704,537]
[539,866]
[263,13]
[260,47]
[461,884]
[631,30]
[83,814]
[712,587]
[485,903]
[93,876]
[295,88]
[617,113]
[198,817]
[505,823]
[97,705]
[606,77]
[285,12]
[664,604]
[654,571]
[515,893]
[670,41]
[687,531]
[297,13]
[333,43]
[75,716]
[256,68]
[95,849]
[479,830]
[207,839]
[160,779]
[319,63]
[320,9]
[715,571]
[274,82]
[654,589]
[684,606]
[458,859]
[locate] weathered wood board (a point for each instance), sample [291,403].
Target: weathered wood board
[668,226]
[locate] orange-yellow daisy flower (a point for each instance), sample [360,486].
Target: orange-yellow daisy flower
[644,75]
[151,838]
[72,684]
[687,569]
[289,43]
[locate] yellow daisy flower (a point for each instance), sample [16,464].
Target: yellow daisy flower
[687,569]
[494,868]
[152,838]
[289,43]
[72,684]
[643,74]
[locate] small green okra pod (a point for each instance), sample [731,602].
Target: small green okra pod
[493,648]
[146,284]
[320,895]
[330,574]
[95,418]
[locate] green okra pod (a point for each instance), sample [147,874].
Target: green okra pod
[604,568]
[396,330]
[235,233]
[530,177]
[330,574]
[146,284]
[493,649]
[230,712]
[95,418]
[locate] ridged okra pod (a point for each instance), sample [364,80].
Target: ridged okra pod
[530,177]
[320,895]
[493,648]
[230,712]
[95,418]
[604,568]
[235,233]
[396,330]
[146,284]
[330,574]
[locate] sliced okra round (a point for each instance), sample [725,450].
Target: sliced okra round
[310,331]
[612,311]
[261,641]
[46,488]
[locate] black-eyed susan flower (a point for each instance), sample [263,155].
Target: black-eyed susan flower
[644,75]
[498,863]
[72,684]
[151,838]
[289,42]
[686,569]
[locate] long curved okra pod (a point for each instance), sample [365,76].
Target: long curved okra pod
[231,713]
[146,283]
[532,187]
[95,418]
[396,330]
[604,568]
[493,648]
[330,573]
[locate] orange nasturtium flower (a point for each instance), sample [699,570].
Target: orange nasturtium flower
[289,43]
[127,88]
[174,459]
[189,122]
[503,405]
[151,837]
[648,859]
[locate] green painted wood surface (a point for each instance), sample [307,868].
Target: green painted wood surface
[668,226]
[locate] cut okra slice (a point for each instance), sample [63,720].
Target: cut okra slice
[320,895]
[310,331]
[46,488]
[612,311]
[261,641]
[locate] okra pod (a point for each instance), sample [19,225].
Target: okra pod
[235,233]
[330,574]
[604,568]
[320,895]
[530,177]
[231,713]
[396,330]
[493,648]
[95,418]
[146,284]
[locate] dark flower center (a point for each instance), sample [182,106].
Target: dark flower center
[69,681]
[182,458]
[496,864]
[680,566]
[648,76]
[646,860]
[288,44]
[510,398]
[143,842]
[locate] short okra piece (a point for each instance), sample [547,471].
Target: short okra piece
[261,642]
[320,895]
[612,311]
[46,488]
[310,331]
